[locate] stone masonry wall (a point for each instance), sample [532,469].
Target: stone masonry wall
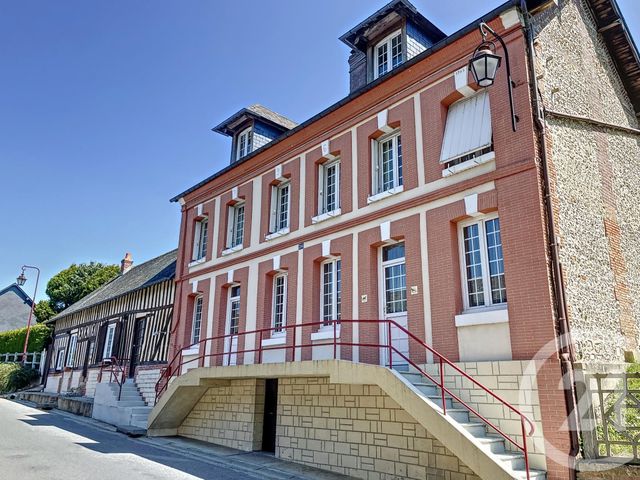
[229,415]
[359,431]
[595,175]
[146,379]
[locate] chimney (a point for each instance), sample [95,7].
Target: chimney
[126,263]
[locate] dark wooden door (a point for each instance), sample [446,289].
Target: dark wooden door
[136,346]
[270,415]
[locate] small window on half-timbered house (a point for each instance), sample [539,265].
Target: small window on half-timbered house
[60,359]
[109,341]
[73,346]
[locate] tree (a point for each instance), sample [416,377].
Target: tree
[43,311]
[70,285]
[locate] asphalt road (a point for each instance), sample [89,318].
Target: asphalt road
[38,445]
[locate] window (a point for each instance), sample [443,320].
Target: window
[388,54]
[395,278]
[73,344]
[329,188]
[279,302]
[387,163]
[244,145]
[331,291]
[236,225]
[233,312]
[484,283]
[108,341]
[60,359]
[197,320]
[200,243]
[280,207]
[467,134]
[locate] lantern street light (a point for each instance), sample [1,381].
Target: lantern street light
[484,65]
[21,280]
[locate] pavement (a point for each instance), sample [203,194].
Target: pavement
[55,445]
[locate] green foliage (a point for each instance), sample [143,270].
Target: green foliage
[12,341]
[43,311]
[14,376]
[70,285]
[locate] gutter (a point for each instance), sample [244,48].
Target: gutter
[567,353]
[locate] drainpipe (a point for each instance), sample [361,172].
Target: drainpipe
[566,354]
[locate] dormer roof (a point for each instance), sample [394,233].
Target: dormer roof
[359,36]
[257,112]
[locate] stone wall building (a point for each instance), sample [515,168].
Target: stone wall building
[479,247]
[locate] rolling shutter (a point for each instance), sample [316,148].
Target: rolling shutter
[468,127]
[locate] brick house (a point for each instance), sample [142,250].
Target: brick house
[417,224]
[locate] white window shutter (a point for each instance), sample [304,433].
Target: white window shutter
[468,127]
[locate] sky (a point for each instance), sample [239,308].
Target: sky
[106,109]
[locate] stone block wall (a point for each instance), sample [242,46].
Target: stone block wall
[146,379]
[359,431]
[229,415]
[515,382]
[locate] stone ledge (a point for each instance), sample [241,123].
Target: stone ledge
[606,470]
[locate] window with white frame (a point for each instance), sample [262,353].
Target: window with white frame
[329,187]
[388,54]
[200,239]
[197,320]
[73,345]
[330,295]
[387,167]
[395,278]
[467,133]
[108,341]
[279,303]
[233,310]
[60,359]
[280,205]
[483,263]
[235,236]
[244,145]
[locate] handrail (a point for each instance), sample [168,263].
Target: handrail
[172,369]
[117,371]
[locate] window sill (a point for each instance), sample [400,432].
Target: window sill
[325,333]
[385,194]
[278,234]
[230,250]
[326,216]
[483,316]
[277,339]
[191,351]
[200,261]
[461,167]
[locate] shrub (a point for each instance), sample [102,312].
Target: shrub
[12,341]
[14,376]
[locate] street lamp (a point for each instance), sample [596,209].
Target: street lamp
[484,65]
[21,280]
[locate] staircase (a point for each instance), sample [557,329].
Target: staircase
[489,441]
[130,410]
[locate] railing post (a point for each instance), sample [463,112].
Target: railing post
[389,343]
[293,349]
[335,341]
[444,403]
[524,447]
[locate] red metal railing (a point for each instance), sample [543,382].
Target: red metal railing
[176,365]
[117,371]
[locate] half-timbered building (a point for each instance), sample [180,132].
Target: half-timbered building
[125,322]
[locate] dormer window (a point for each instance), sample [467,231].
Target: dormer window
[388,54]
[244,144]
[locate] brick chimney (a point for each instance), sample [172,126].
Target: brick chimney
[126,263]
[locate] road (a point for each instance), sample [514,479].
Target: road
[37,445]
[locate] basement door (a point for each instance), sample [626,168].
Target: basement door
[393,281]
[231,329]
[270,422]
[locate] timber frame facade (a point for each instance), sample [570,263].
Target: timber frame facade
[127,319]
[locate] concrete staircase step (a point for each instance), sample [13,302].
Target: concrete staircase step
[437,399]
[131,403]
[477,429]
[533,475]
[460,415]
[513,460]
[492,444]
[141,410]
[427,388]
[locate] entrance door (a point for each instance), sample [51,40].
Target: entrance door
[136,346]
[270,415]
[87,357]
[233,324]
[393,296]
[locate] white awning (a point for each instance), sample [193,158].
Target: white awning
[468,127]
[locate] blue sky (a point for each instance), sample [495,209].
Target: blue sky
[106,108]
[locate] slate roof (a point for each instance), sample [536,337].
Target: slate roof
[144,275]
[259,111]
[15,306]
